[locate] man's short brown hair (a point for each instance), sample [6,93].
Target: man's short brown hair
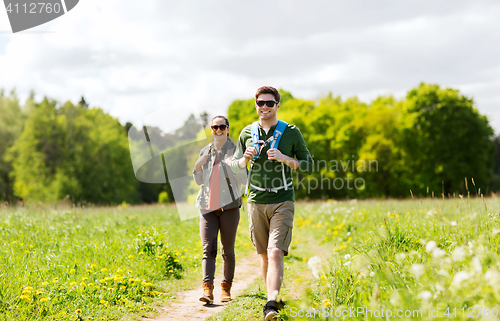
[268,90]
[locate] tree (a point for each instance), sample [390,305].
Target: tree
[72,151]
[494,184]
[446,139]
[11,125]
[381,163]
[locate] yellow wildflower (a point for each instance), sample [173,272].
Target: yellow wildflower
[104,270]
[45,283]
[25,297]
[78,311]
[44,300]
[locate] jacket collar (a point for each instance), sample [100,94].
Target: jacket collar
[228,145]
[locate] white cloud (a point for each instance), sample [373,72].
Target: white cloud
[132,59]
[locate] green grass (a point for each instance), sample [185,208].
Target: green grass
[97,263]
[392,255]
[246,307]
[408,255]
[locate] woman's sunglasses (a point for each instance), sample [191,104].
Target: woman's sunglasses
[269,103]
[222,127]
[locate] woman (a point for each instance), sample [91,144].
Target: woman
[219,201]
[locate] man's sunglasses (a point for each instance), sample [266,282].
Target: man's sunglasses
[222,127]
[269,103]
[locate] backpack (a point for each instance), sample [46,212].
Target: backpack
[259,144]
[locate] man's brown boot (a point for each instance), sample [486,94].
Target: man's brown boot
[226,292]
[208,293]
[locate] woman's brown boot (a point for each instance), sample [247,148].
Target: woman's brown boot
[208,293]
[226,292]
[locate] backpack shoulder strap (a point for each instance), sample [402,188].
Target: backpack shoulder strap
[278,132]
[255,137]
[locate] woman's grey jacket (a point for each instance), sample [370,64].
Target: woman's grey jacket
[230,183]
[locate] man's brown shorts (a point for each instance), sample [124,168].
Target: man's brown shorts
[271,225]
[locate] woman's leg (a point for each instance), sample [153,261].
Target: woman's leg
[229,221]
[209,228]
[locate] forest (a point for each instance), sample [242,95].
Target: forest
[432,142]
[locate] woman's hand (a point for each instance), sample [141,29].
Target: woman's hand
[228,160]
[202,160]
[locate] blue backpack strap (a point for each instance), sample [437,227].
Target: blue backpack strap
[255,137]
[278,132]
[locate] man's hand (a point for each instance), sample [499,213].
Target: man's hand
[200,162]
[249,153]
[274,153]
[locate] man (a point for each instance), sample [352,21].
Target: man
[274,149]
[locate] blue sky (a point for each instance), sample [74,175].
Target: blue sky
[133,58]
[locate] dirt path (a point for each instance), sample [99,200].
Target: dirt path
[188,307]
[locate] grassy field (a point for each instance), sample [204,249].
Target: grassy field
[416,259]
[428,259]
[97,263]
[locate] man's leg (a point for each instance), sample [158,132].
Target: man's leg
[263,267]
[274,272]
[259,231]
[280,236]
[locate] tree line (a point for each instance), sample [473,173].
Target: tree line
[429,142]
[432,141]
